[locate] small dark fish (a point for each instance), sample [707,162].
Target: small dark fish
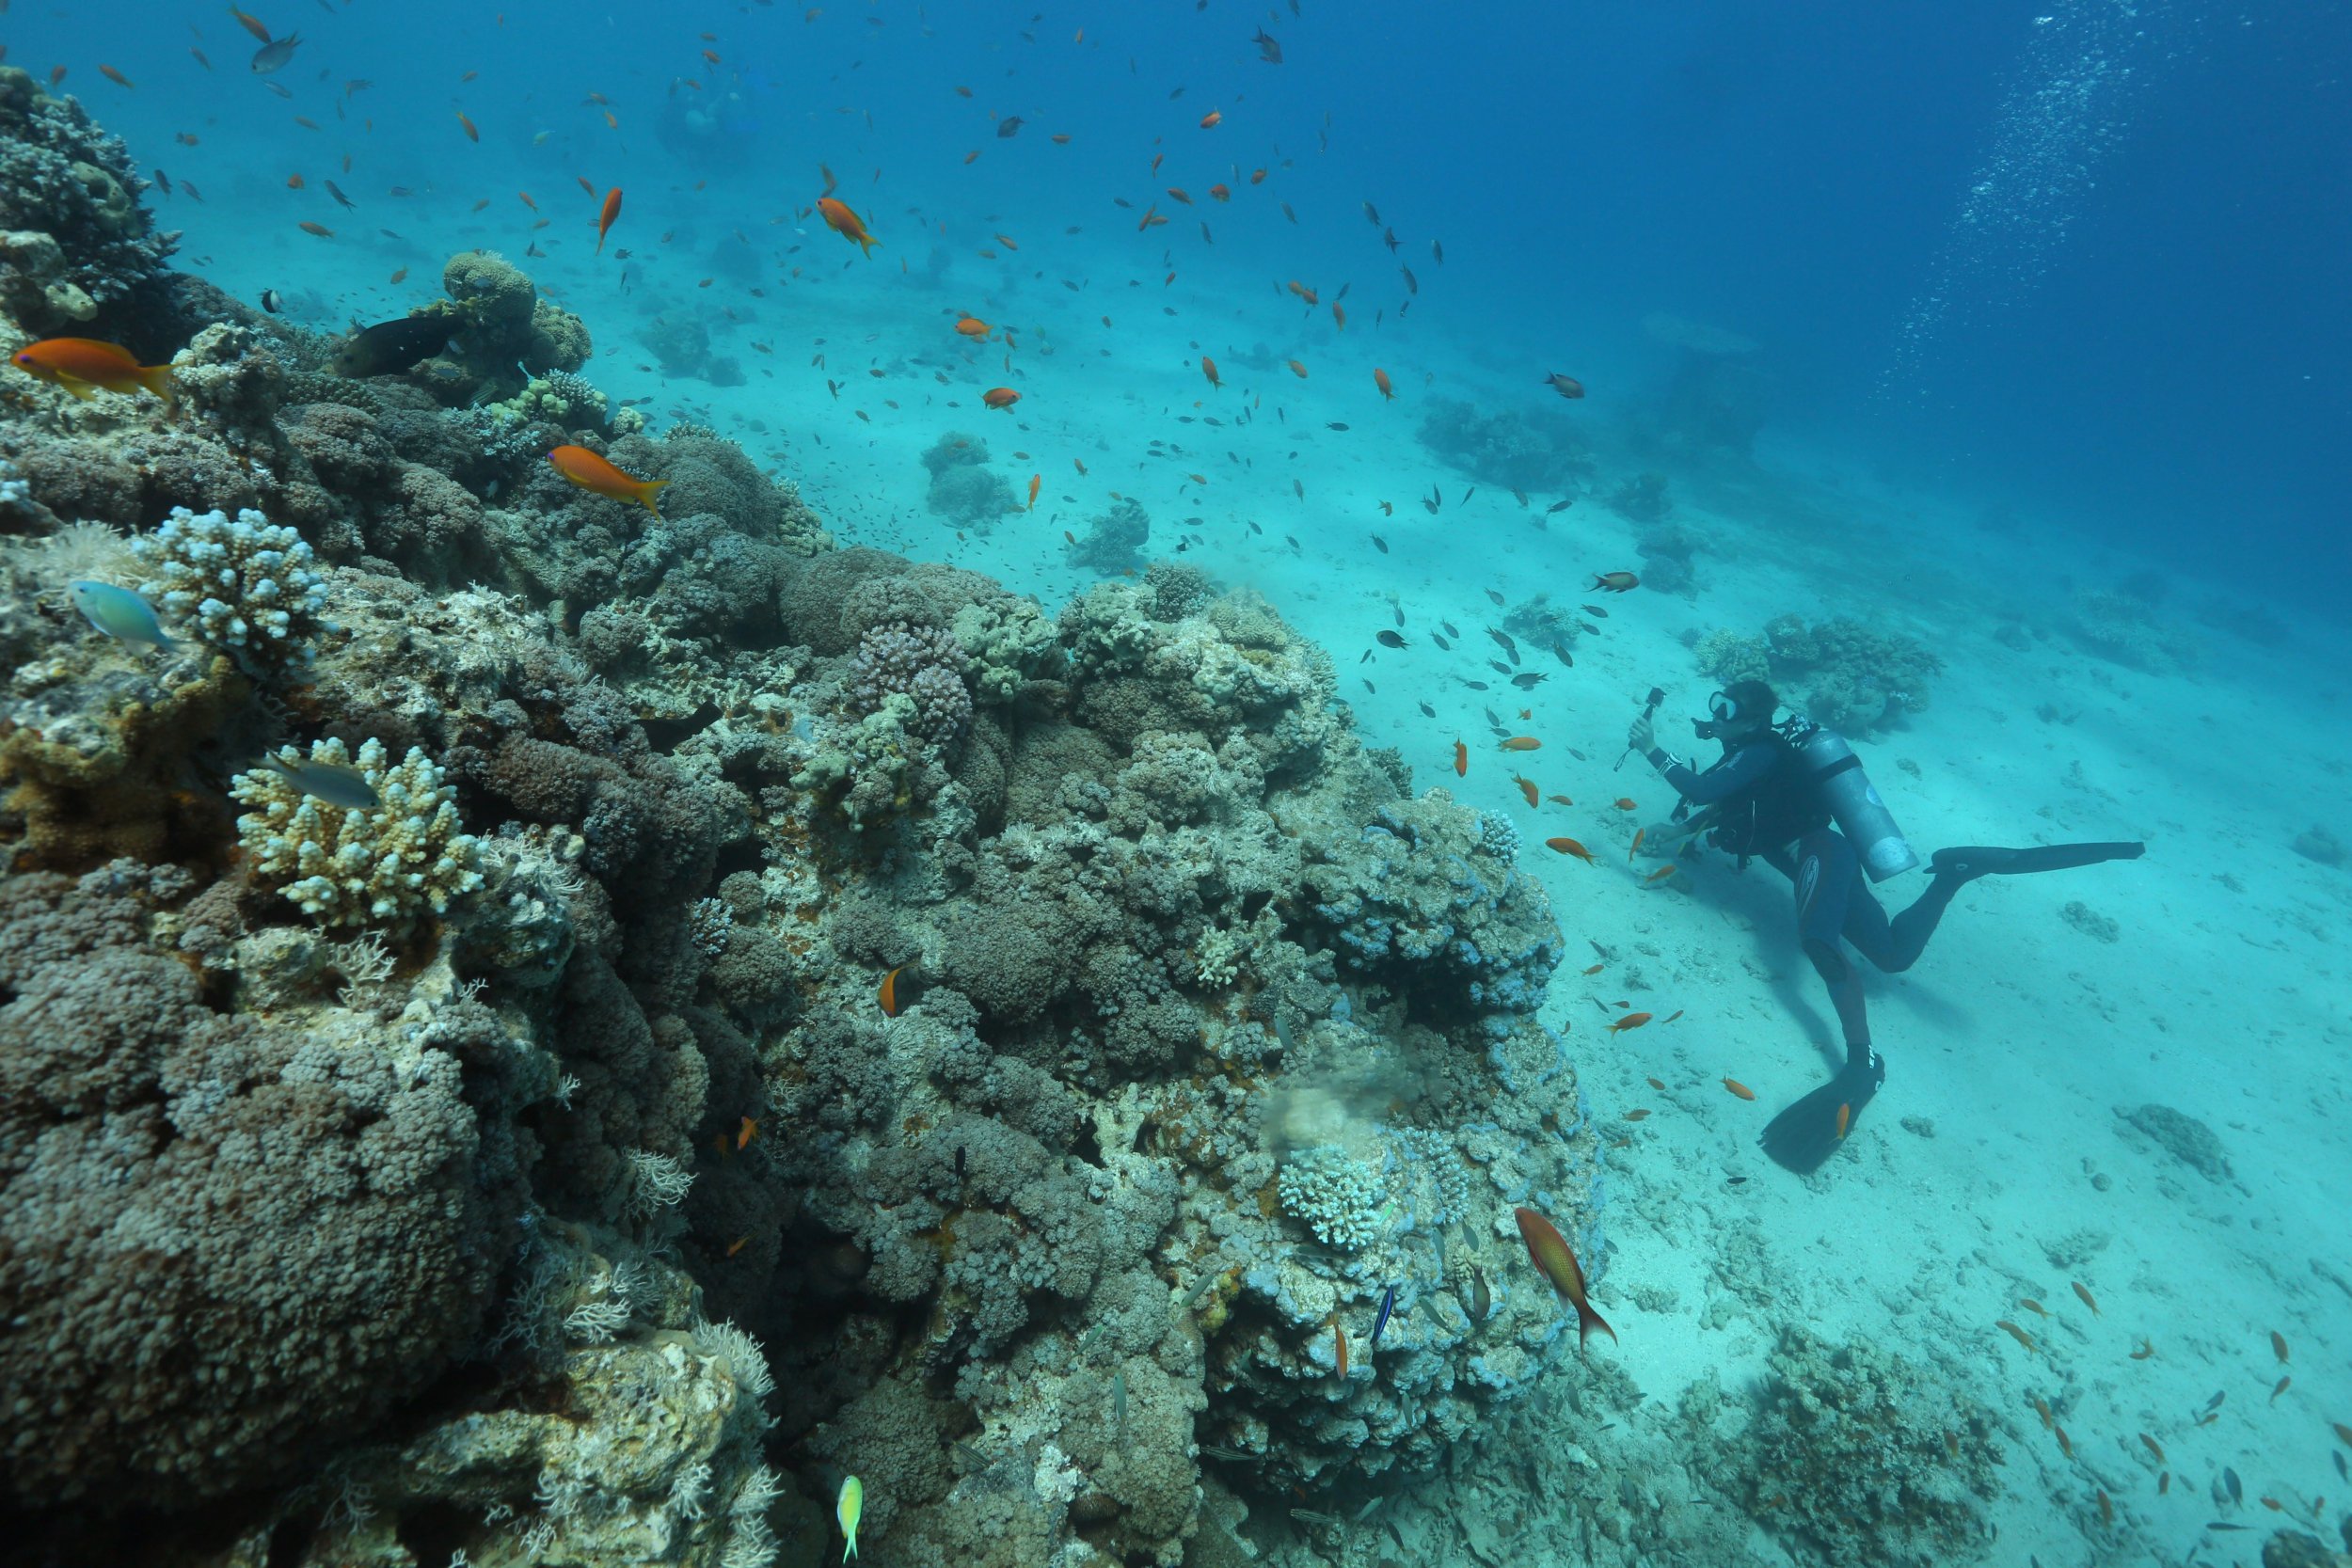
[1389,640]
[329,782]
[1450,630]
[1288,214]
[1527,682]
[2224,1524]
[1566,386]
[1387,237]
[959,1161]
[1467,494]
[1504,640]
[274,54]
[1397,610]
[1497,667]
[1374,689]
[1379,543]
[387,348]
[164,180]
[1560,505]
[1734,1181]
[1562,650]
[1335,425]
[1588,627]
[1492,594]
[336,193]
[273,301]
[1437,251]
[1269,50]
[1440,640]
[1428,712]
[1293,544]
[2229,1481]
[1435,500]
[1009,126]
[1367,658]
[1388,1297]
[1476,686]
[1594,609]
[1482,1300]
[1412,284]
[1372,214]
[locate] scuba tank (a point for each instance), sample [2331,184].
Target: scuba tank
[1860,813]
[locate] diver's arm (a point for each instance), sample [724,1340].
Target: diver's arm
[1742,769]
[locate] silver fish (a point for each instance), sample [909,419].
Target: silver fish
[119,612]
[329,782]
[274,54]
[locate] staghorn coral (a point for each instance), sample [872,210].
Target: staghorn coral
[385,867]
[1339,1197]
[243,585]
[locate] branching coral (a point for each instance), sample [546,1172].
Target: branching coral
[246,585]
[384,867]
[1338,1196]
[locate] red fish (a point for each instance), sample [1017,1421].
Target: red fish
[1380,379]
[1000,397]
[1522,743]
[1738,1088]
[595,472]
[78,364]
[1557,1262]
[1036,481]
[1527,787]
[1570,846]
[604,220]
[1208,368]
[471,135]
[1630,1020]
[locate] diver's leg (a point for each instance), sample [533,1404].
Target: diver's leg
[1809,1133]
[1825,873]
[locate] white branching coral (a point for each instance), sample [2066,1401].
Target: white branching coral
[242,583]
[739,1353]
[655,1181]
[381,866]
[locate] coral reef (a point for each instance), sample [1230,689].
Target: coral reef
[416,1178]
[1641,498]
[964,491]
[1510,447]
[1839,672]
[74,239]
[2128,629]
[1114,539]
[1869,1457]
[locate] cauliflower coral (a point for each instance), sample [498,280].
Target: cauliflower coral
[381,867]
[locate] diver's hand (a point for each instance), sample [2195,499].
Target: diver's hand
[1643,736]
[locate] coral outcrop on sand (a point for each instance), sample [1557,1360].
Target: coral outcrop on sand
[414,1163]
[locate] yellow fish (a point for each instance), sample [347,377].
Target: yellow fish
[853,1502]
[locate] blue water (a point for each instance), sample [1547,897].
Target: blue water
[2145,335]
[2077,271]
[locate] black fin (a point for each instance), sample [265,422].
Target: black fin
[1805,1135]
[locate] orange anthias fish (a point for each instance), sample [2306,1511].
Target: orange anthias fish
[1659,876]
[845,222]
[78,364]
[1339,1342]
[1000,397]
[1630,1020]
[604,220]
[745,1133]
[1738,1088]
[1036,482]
[593,471]
[1635,845]
[1845,1119]
[1522,743]
[1208,368]
[1557,1264]
[1527,787]
[1625,802]
[1570,846]
[2082,1293]
[1210,121]
[1461,760]
[471,135]
[1380,379]
[972,326]
[250,23]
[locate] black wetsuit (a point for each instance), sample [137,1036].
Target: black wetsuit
[1767,807]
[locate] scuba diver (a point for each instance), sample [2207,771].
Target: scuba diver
[1793,795]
